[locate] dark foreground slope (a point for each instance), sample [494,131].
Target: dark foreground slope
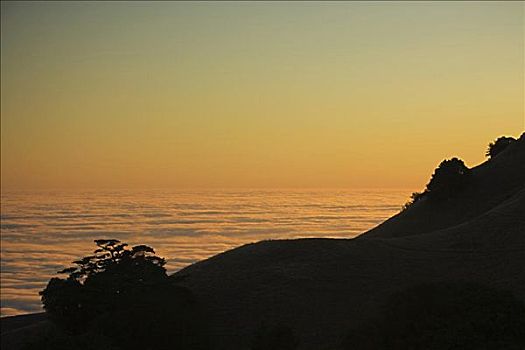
[323,287]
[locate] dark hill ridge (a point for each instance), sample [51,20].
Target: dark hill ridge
[501,228]
[323,287]
[491,183]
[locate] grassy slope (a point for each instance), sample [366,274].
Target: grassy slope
[322,287]
[492,183]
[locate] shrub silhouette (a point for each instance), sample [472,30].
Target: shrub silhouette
[414,197]
[63,301]
[278,337]
[449,178]
[124,295]
[451,315]
[498,146]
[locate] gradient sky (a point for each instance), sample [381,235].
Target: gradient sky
[204,94]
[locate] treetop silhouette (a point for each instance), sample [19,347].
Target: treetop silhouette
[498,146]
[125,296]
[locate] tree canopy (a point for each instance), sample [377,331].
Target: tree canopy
[499,145]
[124,295]
[449,178]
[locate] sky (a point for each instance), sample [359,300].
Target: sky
[103,95]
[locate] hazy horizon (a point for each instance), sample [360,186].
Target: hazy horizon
[269,95]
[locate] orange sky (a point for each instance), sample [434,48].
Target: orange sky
[270,95]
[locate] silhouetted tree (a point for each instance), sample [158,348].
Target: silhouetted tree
[446,315]
[97,281]
[274,338]
[124,295]
[63,301]
[498,146]
[449,178]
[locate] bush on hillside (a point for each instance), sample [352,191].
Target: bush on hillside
[449,178]
[498,146]
[447,315]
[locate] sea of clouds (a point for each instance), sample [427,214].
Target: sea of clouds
[42,232]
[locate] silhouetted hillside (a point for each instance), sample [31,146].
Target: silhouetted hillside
[490,184]
[324,287]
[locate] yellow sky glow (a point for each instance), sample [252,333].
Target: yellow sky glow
[269,95]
